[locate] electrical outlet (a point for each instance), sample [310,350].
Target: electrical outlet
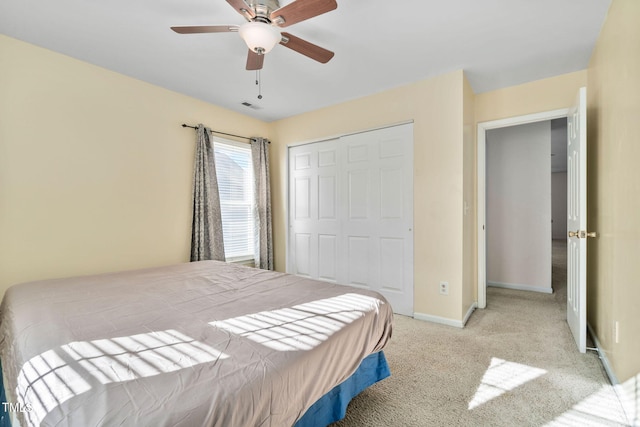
[444,288]
[616,331]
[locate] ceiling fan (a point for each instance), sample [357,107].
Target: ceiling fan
[262,31]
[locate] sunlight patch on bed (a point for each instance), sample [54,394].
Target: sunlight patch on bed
[45,382]
[301,327]
[501,377]
[142,355]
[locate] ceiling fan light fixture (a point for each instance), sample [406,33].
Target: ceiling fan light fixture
[260,37]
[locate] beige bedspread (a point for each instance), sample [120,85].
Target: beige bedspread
[195,344]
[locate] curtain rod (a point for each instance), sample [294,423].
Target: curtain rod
[184,125]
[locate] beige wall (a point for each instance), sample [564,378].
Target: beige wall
[470,245]
[614,187]
[95,170]
[108,185]
[436,108]
[542,95]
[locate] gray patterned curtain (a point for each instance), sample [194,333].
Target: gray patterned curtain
[263,253]
[206,231]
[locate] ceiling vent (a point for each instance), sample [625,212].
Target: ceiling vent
[250,105]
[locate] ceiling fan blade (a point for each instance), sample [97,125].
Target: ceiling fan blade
[308,49]
[300,10]
[254,61]
[242,8]
[205,29]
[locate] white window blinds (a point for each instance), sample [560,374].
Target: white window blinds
[235,184]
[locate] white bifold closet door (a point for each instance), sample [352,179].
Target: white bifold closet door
[351,212]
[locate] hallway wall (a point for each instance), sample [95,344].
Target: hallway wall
[518,194]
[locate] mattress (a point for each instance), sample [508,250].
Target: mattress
[205,343]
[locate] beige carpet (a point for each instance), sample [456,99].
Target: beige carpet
[514,364]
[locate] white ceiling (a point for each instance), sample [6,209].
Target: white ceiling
[378,45]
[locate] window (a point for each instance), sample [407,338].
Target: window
[234,170]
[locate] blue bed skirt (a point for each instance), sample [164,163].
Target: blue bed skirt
[329,408]
[332,406]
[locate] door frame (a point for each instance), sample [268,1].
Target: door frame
[481,146]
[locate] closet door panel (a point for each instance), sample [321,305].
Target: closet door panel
[357,195]
[313,221]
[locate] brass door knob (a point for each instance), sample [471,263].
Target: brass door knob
[582,234]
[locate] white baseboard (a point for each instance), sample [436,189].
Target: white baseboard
[445,320]
[519,287]
[472,307]
[603,357]
[438,319]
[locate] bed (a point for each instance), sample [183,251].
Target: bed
[198,344]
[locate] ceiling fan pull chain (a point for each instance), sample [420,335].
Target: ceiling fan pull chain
[259,83]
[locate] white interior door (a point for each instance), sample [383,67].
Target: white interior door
[577,220]
[351,212]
